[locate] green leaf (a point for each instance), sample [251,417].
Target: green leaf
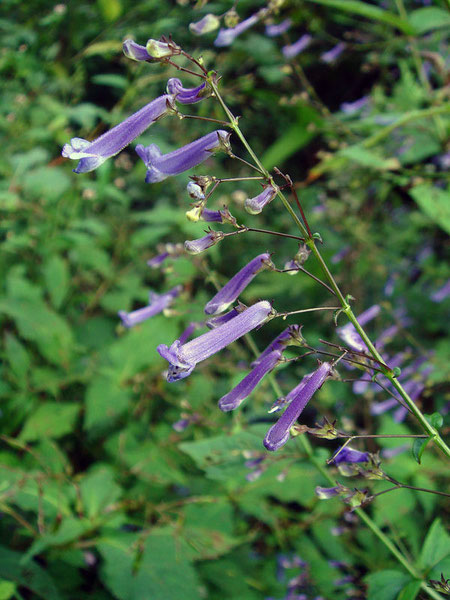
[418,448]
[105,400]
[436,546]
[30,576]
[292,140]
[99,490]
[386,585]
[17,356]
[370,11]
[428,18]
[110,9]
[436,420]
[368,158]
[52,420]
[434,202]
[56,275]
[410,591]
[69,530]
[7,589]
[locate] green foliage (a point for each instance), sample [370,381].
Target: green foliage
[100,495]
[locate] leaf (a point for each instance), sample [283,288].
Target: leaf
[292,140]
[436,546]
[56,275]
[367,158]
[69,530]
[105,400]
[110,79]
[51,419]
[17,356]
[31,576]
[99,490]
[110,9]
[410,591]
[418,448]
[434,202]
[386,585]
[428,18]
[163,570]
[370,11]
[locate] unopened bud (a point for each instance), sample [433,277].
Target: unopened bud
[231,18]
[195,191]
[209,23]
[159,49]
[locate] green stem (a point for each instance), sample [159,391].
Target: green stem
[429,429]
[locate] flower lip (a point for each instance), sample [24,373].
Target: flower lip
[186,95]
[135,51]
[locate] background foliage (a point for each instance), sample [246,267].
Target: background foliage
[99,495]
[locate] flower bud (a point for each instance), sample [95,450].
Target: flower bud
[158,49]
[231,18]
[202,244]
[209,23]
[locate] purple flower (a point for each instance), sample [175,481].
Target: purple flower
[157,304]
[219,216]
[278,434]
[165,250]
[227,36]
[186,95]
[291,336]
[284,401]
[93,154]
[158,260]
[349,108]
[195,191]
[135,51]
[220,320]
[274,30]
[336,258]
[348,455]
[183,358]
[334,53]
[327,493]
[160,166]
[442,293]
[245,387]
[231,290]
[188,332]
[209,23]
[203,243]
[348,333]
[297,47]
[181,425]
[255,205]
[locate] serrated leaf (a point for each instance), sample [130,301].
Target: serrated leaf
[51,419]
[410,591]
[429,18]
[434,202]
[386,585]
[436,546]
[30,576]
[98,490]
[56,275]
[105,400]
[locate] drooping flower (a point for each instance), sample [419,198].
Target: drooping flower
[187,95]
[291,336]
[227,36]
[327,493]
[207,24]
[348,455]
[159,49]
[279,29]
[442,293]
[160,166]
[334,53]
[350,108]
[165,250]
[219,216]
[278,434]
[284,401]
[244,388]
[231,290]
[183,358]
[350,336]
[300,45]
[203,243]
[93,154]
[255,205]
[221,319]
[157,303]
[135,51]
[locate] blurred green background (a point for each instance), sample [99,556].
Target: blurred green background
[100,496]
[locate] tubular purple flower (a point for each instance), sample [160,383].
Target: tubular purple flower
[348,333]
[255,205]
[442,293]
[158,260]
[165,250]
[348,455]
[218,321]
[93,154]
[160,166]
[203,243]
[274,30]
[330,56]
[245,387]
[183,358]
[278,434]
[291,336]
[300,45]
[227,36]
[378,408]
[186,95]
[284,401]
[231,290]
[327,493]
[209,23]
[349,108]
[157,303]
[188,332]
[135,51]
